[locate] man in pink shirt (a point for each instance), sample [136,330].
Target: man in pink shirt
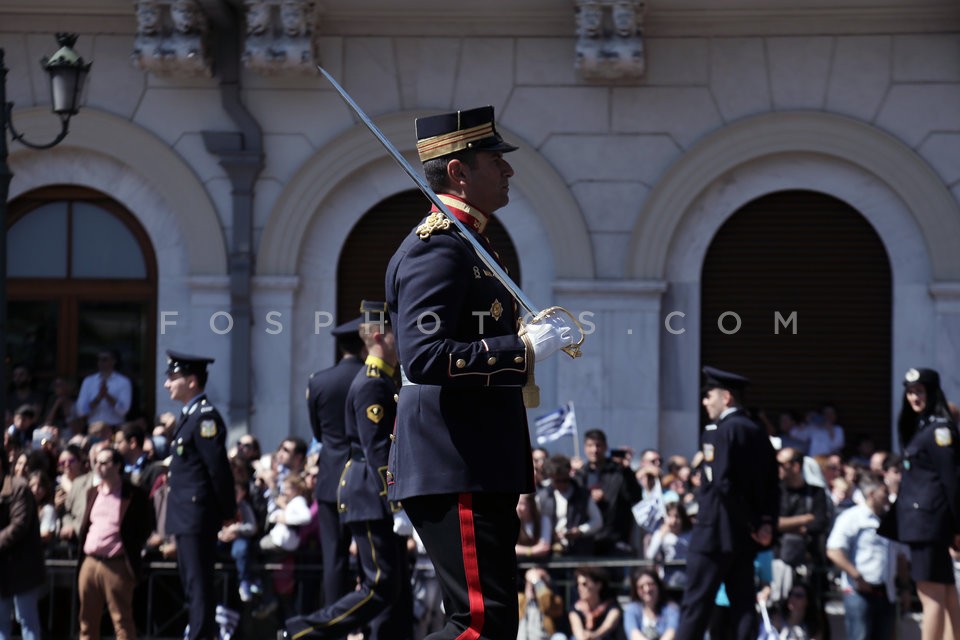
[116,524]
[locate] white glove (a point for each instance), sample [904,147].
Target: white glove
[548,336]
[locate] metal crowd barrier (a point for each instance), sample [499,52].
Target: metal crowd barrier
[161,585]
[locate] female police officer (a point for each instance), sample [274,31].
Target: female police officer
[927,511]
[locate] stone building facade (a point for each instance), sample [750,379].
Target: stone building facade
[248,180]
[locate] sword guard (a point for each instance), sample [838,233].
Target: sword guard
[572,350]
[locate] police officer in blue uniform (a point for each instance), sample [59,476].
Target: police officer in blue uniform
[370,411]
[926,515]
[326,395]
[461,454]
[739,503]
[201,488]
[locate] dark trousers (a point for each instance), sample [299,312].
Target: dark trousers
[378,554]
[196,554]
[335,551]
[471,540]
[705,572]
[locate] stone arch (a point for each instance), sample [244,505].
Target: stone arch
[840,139]
[357,150]
[124,160]
[899,195]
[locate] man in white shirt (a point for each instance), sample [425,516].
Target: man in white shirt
[105,396]
[869,563]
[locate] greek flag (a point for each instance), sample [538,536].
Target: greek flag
[556,424]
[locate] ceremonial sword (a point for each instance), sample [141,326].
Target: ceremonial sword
[572,350]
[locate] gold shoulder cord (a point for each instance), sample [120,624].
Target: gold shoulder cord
[434,221]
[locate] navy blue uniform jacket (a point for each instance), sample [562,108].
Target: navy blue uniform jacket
[740,488]
[370,413]
[928,503]
[461,426]
[326,396]
[201,483]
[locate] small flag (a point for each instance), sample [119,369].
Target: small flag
[556,424]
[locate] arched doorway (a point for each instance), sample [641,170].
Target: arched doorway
[82,277]
[813,255]
[375,237]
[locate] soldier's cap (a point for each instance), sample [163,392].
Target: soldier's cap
[927,377]
[714,378]
[447,133]
[374,311]
[186,364]
[348,328]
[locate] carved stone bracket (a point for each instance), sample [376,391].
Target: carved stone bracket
[610,39]
[171,38]
[280,37]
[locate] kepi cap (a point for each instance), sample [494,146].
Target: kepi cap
[186,364]
[927,377]
[447,133]
[374,311]
[718,379]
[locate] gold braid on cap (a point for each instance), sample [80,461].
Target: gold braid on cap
[434,221]
[437,146]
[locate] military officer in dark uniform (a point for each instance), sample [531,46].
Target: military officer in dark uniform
[370,411]
[201,488]
[739,503]
[926,515]
[461,454]
[326,395]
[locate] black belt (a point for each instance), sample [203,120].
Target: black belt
[878,589]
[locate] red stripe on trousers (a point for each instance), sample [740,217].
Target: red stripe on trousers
[468,544]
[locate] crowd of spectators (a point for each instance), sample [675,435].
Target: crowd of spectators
[611,504]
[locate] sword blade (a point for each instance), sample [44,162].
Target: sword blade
[487,259]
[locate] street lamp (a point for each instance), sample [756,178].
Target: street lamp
[67,73]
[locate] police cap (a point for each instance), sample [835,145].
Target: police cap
[718,379]
[447,133]
[348,328]
[927,377]
[186,364]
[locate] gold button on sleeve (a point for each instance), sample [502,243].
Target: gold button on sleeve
[518,359]
[461,363]
[491,361]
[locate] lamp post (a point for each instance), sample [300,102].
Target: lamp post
[67,73]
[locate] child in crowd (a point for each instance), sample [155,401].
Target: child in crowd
[293,513]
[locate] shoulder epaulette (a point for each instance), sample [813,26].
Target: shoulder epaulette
[373,371]
[434,221]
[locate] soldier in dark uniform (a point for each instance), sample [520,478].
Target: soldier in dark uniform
[326,395]
[370,411]
[739,501]
[461,456]
[201,488]
[926,515]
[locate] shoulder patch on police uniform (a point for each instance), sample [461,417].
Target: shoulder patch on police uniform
[943,436]
[375,413]
[208,429]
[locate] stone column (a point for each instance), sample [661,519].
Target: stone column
[615,385]
[274,389]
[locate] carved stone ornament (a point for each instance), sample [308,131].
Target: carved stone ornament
[279,37]
[609,39]
[171,38]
